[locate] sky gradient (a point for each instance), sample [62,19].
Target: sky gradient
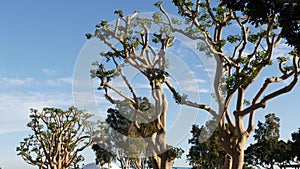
[40,44]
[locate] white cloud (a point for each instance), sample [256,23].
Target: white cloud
[60,81]
[281,50]
[191,82]
[142,86]
[6,82]
[92,101]
[200,81]
[193,85]
[49,72]
[17,82]
[196,89]
[15,107]
[211,72]
[190,88]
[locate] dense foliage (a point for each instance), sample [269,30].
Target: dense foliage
[268,150]
[124,142]
[58,138]
[260,12]
[296,144]
[205,153]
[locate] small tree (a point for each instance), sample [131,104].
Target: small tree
[117,144]
[296,144]
[209,154]
[269,130]
[103,156]
[76,162]
[58,138]
[268,151]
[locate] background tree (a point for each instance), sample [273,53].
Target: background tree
[296,144]
[127,144]
[268,151]
[209,154]
[269,130]
[120,143]
[58,138]
[103,156]
[131,147]
[103,145]
[76,162]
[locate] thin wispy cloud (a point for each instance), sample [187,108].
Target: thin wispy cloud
[196,90]
[142,86]
[210,72]
[15,107]
[281,50]
[193,85]
[17,82]
[31,82]
[199,66]
[191,82]
[60,81]
[49,72]
[91,101]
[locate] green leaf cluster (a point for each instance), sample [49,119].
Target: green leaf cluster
[103,74]
[233,38]
[285,14]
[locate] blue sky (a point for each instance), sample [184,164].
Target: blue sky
[40,43]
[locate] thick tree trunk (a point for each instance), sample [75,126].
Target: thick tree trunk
[238,159]
[234,158]
[161,162]
[166,162]
[160,159]
[237,155]
[232,145]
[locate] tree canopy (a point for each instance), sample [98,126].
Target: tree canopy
[204,153]
[260,12]
[268,150]
[58,138]
[296,144]
[144,51]
[269,129]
